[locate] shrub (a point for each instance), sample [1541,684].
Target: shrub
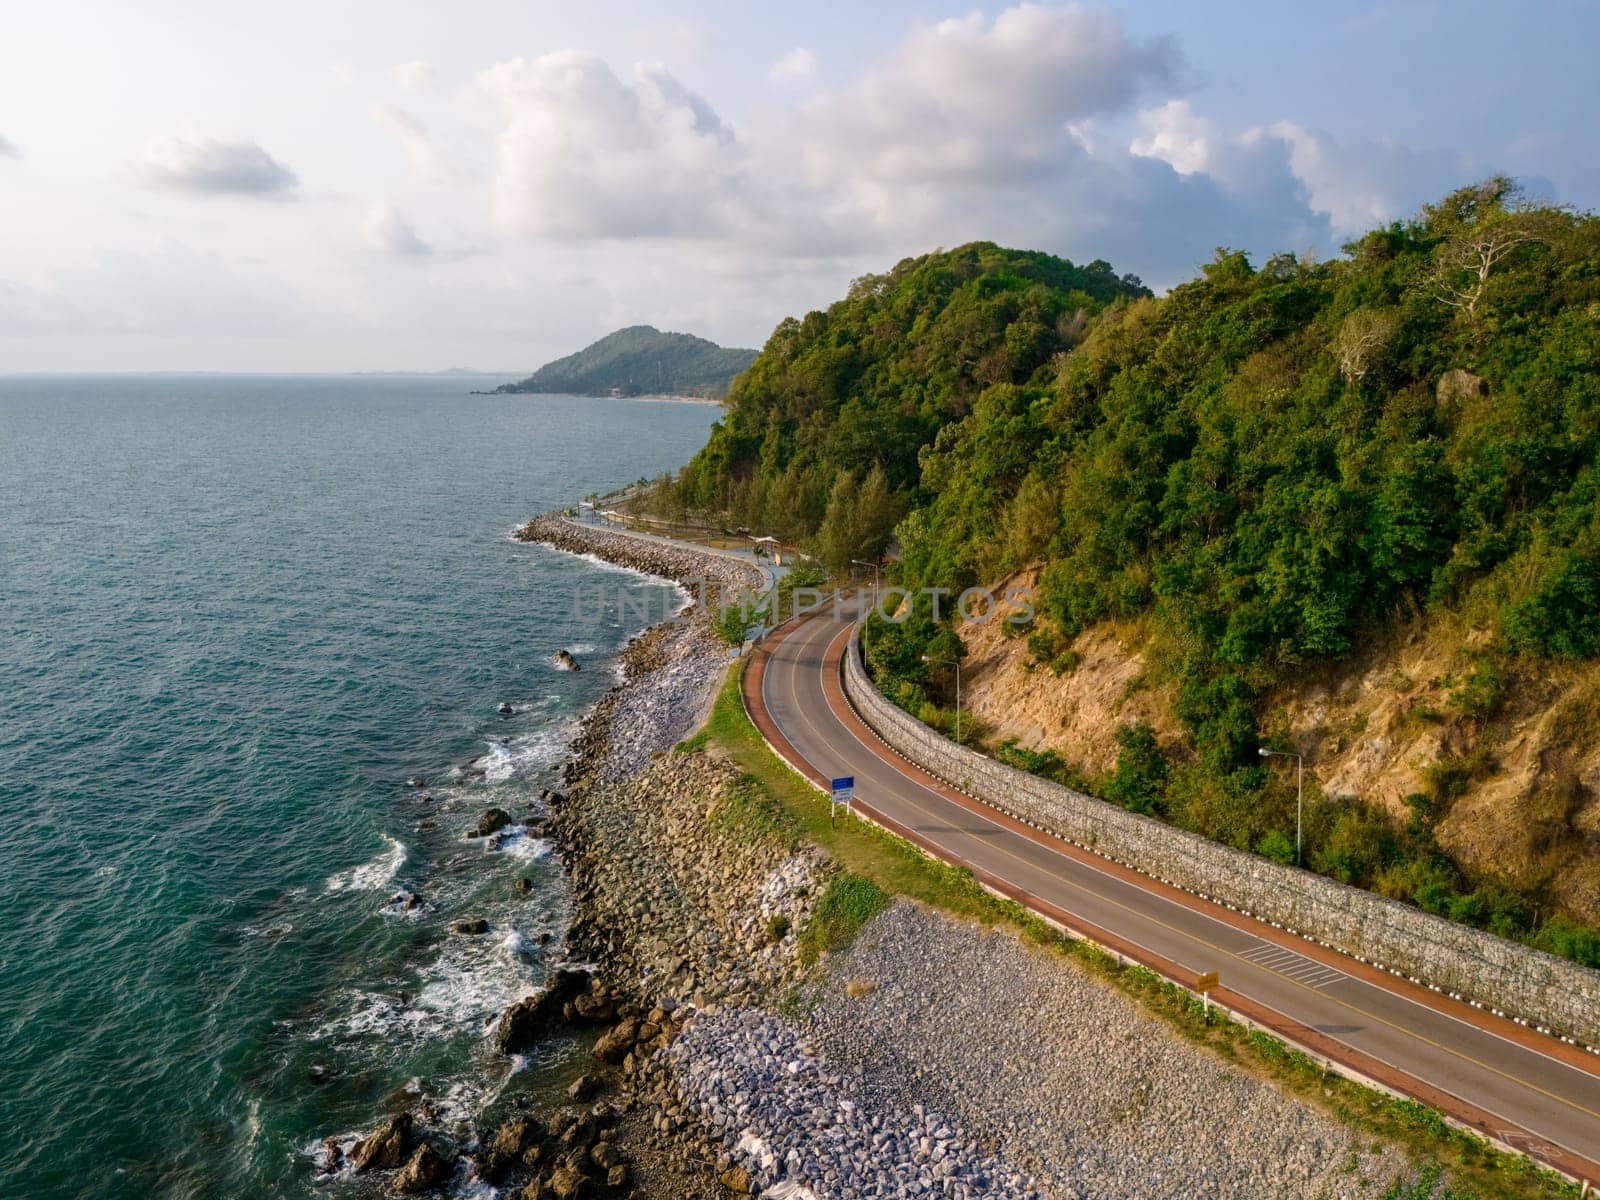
[1141,775]
[1276,845]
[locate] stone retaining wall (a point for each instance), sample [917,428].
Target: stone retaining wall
[1514,980]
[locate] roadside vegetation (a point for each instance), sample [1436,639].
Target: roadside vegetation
[1265,467]
[1449,1164]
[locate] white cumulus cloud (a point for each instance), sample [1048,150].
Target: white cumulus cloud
[1354,183]
[974,94]
[208,166]
[584,153]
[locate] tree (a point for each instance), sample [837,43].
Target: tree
[840,533]
[859,520]
[1031,521]
[1483,225]
[877,511]
[1364,341]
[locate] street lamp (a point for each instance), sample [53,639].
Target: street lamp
[956,663]
[1299,792]
[856,562]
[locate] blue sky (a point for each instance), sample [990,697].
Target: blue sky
[353,186]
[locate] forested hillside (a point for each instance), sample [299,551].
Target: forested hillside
[640,360]
[870,381]
[1264,469]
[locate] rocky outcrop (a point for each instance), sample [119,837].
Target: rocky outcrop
[564,660]
[1460,384]
[425,1170]
[492,821]
[536,1017]
[676,894]
[385,1148]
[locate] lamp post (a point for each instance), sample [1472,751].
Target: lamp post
[856,562]
[1299,792]
[956,663]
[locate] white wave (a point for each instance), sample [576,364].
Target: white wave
[372,875]
[515,843]
[370,1014]
[510,757]
[619,568]
[519,945]
[407,907]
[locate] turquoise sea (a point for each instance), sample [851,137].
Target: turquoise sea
[237,614]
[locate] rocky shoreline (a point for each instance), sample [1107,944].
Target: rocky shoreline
[932,1058]
[654,556]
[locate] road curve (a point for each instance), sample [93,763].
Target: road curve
[1515,1086]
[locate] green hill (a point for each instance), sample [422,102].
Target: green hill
[871,381]
[1267,469]
[640,360]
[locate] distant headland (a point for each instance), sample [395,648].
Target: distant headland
[640,361]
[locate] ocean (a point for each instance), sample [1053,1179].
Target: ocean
[237,615]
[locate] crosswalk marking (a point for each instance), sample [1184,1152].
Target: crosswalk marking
[1292,966]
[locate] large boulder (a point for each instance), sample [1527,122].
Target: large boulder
[566,662]
[615,1043]
[530,1019]
[492,821]
[566,1184]
[426,1170]
[385,1148]
[509,1146]
[1459,384]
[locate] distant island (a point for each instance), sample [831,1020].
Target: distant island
[640,361]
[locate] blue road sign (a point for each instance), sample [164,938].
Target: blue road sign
[843,789]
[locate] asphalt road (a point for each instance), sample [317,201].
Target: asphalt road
[1521,1088]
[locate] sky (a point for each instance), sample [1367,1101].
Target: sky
[348,186]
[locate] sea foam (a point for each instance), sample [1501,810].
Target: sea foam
[372,875]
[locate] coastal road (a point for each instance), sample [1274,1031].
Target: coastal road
[1516,1086]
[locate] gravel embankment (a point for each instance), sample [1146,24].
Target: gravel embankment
[799,1128]
[1095,1097]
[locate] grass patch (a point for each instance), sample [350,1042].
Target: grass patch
[1449,1164]
[892,863]
[849,902]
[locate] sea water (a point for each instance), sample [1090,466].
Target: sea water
[237,614]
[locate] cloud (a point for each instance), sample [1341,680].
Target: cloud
[8,149]
[1354,183]
[586,154]
[429,164]
[206,166]
[413,76]
[799,63]
[971,95]
[1011,127]
[388,232]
